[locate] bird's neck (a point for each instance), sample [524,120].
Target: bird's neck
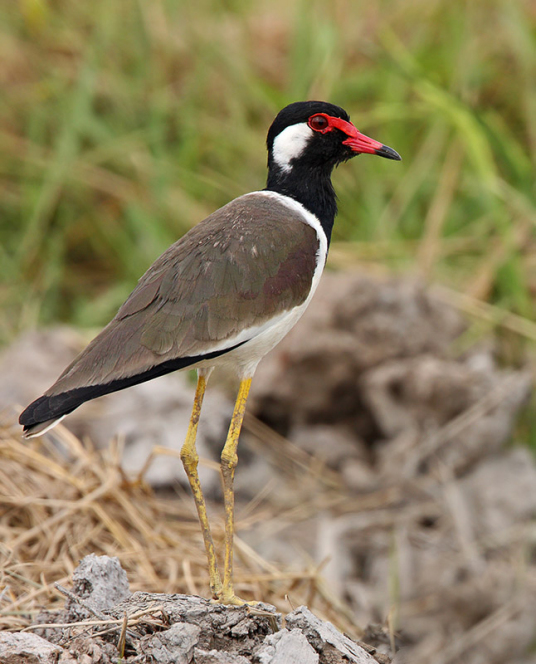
[309,186]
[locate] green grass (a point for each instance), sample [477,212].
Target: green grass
[124,123]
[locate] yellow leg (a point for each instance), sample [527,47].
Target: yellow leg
[229,460]
[190,461]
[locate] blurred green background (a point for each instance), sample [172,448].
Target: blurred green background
[123,123]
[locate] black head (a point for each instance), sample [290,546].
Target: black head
[317,134]
[306,140]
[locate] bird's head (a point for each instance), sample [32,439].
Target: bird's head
[316,134]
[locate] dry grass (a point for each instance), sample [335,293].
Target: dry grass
[60,500]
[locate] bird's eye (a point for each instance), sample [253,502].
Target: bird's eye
[319,122]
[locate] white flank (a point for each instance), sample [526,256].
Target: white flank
[260,339]
[290,143]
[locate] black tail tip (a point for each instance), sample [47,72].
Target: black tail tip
[39,417]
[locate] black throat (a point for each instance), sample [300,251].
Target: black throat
[311,186]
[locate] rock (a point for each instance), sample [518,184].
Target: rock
[286,647]
[27,648]
[369,366]
[100,582]
[233,630]
[218,657]
[325,638]
[84,649]
[404,394]
[180,628]
[174,646]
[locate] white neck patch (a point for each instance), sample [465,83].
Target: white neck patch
[290,143]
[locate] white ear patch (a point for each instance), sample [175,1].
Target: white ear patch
[290,143]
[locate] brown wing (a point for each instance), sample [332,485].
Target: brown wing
[247,262]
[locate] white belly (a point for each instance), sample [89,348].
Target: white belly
[245,358]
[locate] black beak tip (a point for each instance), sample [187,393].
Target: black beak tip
[388,153]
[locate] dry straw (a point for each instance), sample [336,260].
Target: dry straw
[61,500]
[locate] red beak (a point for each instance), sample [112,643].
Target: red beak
[360,143]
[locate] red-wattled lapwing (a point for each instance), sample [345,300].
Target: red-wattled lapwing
[225,294]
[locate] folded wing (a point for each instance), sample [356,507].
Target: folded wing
[211,290]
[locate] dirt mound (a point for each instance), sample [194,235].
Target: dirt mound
[103,622]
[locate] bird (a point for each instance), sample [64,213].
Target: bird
[224,294]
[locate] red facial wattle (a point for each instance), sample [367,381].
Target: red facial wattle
[356,141]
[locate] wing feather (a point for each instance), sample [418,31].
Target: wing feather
[242,265]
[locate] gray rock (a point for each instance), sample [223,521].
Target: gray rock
[218,657]
[26,648]
[100,582]
[174,646]
[286,647]
[235,630]
[324,637]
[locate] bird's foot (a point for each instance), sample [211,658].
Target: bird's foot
[230,599]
